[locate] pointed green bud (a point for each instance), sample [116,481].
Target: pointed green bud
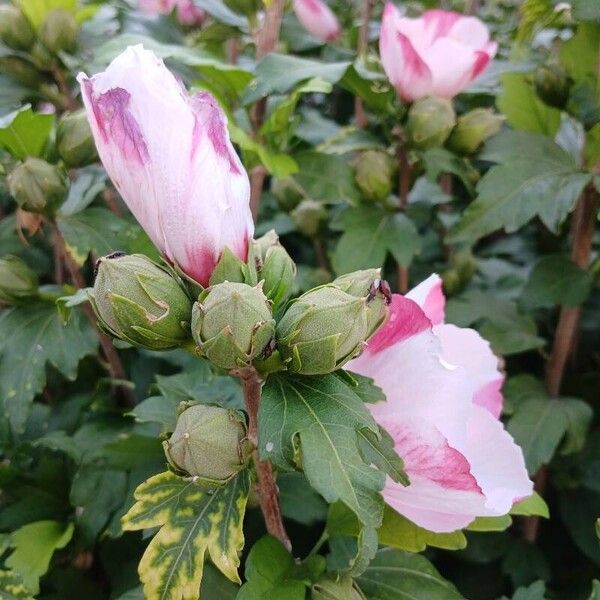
[474,128]
[368,284]
[232,324]
[430,121]
[323,329]
[16,31]
[309,217]
[59,31]
[74,141]
[140,302]
[17,281]
[287,193]
[374,173]
[37,186]
[552,84]
[275,268]
[20,70]
[209,442]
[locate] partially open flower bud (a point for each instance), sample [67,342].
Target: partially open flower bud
[374,174]
[37,186]
[17,281]
[430,122]
[74,141]
[140,302]
[552,84]
[472,129]
[59,31]
[209,442]
[20,70]
[323,329]
[275,267]
[15,30]
[309,216]
[286,192]
[232,324]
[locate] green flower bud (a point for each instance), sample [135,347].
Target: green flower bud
[42,58]
[374,174]
[275,268]
[17,281]
[37,186]
[552,84]
[59,31]
[472,129]
[16,31]
[209,442]
[430,121]
[323,329]
[287,193]
[20,70]
[232,324]
[74,141]
[140,302]
[309,216]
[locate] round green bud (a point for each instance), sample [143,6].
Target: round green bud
[552,84]
[232,324]
[323,329]
[42,58]
[140,302]
[37,186]
[275,268]
[74,141]
[59,31]
[430,121]
[309,217]
[20,70]
[287,193]
[374,174]
[16,31]
[209,442]
[474,128]
[17,281]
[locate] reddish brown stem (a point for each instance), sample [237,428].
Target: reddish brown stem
[360,114]
[320,253]
[404,170]
[582,234]
[69,102]
[268,493]
[472,7]
[257,180]
[113,360]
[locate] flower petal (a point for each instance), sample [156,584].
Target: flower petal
[429,295]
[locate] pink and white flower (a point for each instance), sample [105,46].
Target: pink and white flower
[170,157]
[442,385]
[438,54]
[318,19]
[187,12]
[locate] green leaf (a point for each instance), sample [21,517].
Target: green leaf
[539,424]
[374,90]
[585,11]
[579,55]
[83,190]
[370,233]
[325,177]
[271,573]
[24,133]
[37,10]
[595,594]
[379,451]
[324,416]
[279,73]
[439,160]
[535,177]
[579,510]
[192,521]
[536,591]
[522,107]
[533,505]
[364,387]
[556,279]
[12,587]
[397,575]
[398,532]
[30,337]
[34,544]
[219,11]
[491,523]
[298,500]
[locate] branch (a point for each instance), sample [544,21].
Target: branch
[363,44]
[268,493]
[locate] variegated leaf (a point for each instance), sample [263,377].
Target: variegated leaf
[192,521]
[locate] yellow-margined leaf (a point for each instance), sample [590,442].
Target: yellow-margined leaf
[192,521]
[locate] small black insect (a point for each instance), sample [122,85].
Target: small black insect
[115,254]
[380,286]
[269,349]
